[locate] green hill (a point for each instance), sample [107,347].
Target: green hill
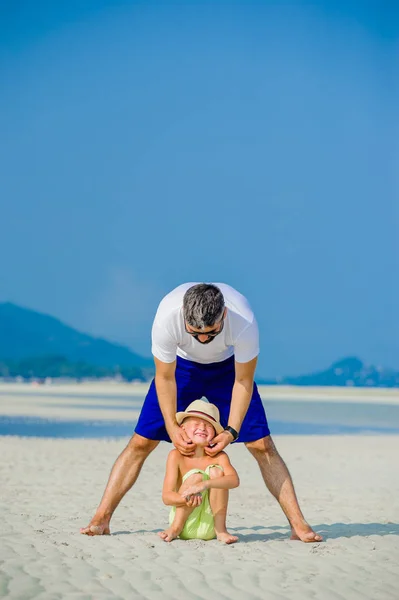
[350,371]
[29,334]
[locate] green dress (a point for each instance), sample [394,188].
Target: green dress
[200,524]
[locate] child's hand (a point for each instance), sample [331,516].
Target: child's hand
[195,489]
[193,500]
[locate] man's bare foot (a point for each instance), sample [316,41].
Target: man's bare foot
[97,527]
[305,533]
[226,538]
[169,534]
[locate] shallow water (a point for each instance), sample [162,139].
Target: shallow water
[288,417]
[307,412]
[37,427]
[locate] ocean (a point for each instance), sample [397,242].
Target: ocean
[102,415]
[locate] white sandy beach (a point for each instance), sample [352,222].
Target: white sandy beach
[348,488]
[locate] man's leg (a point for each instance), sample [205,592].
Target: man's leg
[220,381]
[218,500]
[123,475]
[279,483]
[150,428]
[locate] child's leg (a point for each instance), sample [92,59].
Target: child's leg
[218,500]
[182,512]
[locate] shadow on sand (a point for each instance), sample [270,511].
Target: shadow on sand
[332,532]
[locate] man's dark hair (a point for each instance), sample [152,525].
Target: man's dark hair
[203,305]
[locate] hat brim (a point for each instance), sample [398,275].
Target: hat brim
[180,416]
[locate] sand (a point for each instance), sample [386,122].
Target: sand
[348,488]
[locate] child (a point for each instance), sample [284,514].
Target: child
[197,486]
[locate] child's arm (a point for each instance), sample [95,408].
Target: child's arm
[229,480]
[169,495]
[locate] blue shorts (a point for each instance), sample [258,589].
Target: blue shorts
[194,381]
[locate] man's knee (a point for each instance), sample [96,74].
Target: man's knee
[141,445]
[262,447]
[215,472]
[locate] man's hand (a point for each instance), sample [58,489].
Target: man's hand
[181,441]
[219,443]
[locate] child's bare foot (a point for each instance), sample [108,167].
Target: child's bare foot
[226,538]
[169,534]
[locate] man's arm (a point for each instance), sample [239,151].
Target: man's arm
[242,392]
[165,383]
[240,399]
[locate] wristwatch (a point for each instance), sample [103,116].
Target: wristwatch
[233,432]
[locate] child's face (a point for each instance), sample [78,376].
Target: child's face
[199,431]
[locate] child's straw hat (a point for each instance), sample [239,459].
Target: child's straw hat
[204,410]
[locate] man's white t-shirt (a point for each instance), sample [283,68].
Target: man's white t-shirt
[240,335]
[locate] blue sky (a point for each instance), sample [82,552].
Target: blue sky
[145,144]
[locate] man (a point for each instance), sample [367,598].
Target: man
[205,342]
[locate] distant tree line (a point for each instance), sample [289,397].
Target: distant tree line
[347,372]
[42,367]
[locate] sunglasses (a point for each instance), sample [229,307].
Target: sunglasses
[211,334]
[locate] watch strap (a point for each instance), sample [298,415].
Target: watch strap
[233,432]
